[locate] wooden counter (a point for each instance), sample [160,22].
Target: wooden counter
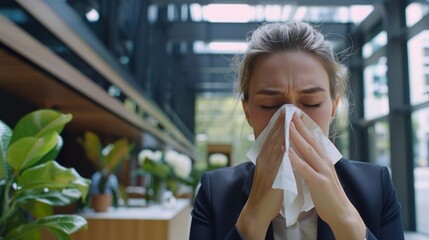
[154,222]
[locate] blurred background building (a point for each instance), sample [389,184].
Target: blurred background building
[160,73]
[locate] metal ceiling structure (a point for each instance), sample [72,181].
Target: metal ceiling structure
[154,41]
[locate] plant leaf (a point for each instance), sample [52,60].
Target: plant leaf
[65,223]
[117,154]
[52,197]
[158,169]
[37,209]
[27,233]
[27,151]
[53,176]
[40,123]
[92,146]
[52,155]
[59,235]
[5,137]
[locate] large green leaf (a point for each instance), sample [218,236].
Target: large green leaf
[52,155]
[53,176]
[40,123]
[52,197]
[59,235]
[27,151]
[92,146]
[28,235]
[37,209]
[5,137]
[65,223]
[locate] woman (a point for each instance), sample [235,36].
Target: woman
[290,63]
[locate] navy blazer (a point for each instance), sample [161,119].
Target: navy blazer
[224,192]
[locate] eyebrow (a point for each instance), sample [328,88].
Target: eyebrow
[275,91]
[311,90]
[269,91]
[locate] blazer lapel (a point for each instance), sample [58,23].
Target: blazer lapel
[323,230]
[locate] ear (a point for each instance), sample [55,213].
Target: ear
[246,112]
[334,108]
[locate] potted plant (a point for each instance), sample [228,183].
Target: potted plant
[32,182]
[104,187]
[152,163]
[167,172]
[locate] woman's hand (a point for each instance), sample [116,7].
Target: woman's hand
[264,202]
[330,200]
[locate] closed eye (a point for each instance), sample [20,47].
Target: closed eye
[270,107]
[312,105]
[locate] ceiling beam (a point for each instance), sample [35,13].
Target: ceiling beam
[209,31]
[282,2]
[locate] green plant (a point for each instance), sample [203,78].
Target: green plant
[32,182]
[106,160]
[171,169]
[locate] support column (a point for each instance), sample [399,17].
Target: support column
[358,134]
[401,145]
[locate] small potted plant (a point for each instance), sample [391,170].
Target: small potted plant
[105,187]
[32,182]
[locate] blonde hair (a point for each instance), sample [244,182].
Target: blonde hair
[291,36]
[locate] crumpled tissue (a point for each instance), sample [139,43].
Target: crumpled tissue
[296,198]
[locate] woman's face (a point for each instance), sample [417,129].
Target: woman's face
[294,78]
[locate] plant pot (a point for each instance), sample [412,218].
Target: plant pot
[101,202]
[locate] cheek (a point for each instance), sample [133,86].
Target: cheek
[321,117]
[260,119]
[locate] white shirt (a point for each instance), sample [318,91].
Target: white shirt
[304,228]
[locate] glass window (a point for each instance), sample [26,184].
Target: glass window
[379,143]
[200,47]
[420,121]
[339,129]
[418,63]
[376,101]
[377,42]
[276,12]
[414,12]
[210,127]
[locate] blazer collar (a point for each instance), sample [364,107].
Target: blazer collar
[323,230]
[247,186]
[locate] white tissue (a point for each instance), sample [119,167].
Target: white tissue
[296,198]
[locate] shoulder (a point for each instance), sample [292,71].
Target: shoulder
[371,190]
[357,165]
[363,181]
[238,171]
[360,171]
[228,177]
[221,191]
[367,184]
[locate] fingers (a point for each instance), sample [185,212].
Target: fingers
[273,149]
[304,131]
[301,166]
[305,143]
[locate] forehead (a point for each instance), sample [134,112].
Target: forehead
[288,69]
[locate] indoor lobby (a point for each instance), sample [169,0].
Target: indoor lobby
[137,100]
